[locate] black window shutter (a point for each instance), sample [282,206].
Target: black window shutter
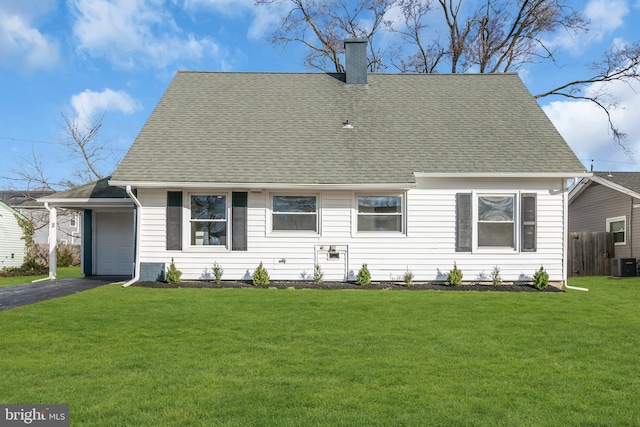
[174,220]
[528,219]
[239,221]
[463,222]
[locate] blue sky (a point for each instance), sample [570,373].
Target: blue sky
[87,57]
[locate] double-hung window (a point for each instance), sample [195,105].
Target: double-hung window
[495,221]
[617,227]
[379,213]
[208,220]
[294,213]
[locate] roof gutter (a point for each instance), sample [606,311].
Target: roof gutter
[263,186]
[503,175]
[53,243]
[136,251]
[87,202]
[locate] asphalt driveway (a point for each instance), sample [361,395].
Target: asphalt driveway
[18,295]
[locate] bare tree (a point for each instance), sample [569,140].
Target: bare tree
[80,142]
[617,64]
[322,26]
[456,36]
[30,174]
[81,139]
[413,31]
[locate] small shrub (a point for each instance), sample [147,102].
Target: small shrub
[64,255]
[364,277]
[217,272]
[29,268]
[495,276]
[317,274]
[173,274]
[407,278]
[541,279]
[454,278]
[260,276]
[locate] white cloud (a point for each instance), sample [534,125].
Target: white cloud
[88,104]
[132,33]
[585,128]
[23,46]
[29,10]
[604,16]
[228,7]
[264,17]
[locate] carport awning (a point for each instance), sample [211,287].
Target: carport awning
[98,194]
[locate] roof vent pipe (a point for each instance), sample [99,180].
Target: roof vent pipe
[355,51]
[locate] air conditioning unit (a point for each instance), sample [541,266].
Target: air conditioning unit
[623,267]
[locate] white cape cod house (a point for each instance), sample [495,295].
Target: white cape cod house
[398,171]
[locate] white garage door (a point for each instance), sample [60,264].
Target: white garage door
[114,243]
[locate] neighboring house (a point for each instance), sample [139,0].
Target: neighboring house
[607,201]
[12,247]
[398,171]
[68,222]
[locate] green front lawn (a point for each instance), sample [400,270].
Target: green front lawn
[249,357]
[61,273]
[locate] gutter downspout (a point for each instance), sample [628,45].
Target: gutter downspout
[575,288]
[53,243]
[630,232]
[565,266]
[136,243]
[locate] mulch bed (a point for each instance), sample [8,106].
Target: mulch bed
[295,284]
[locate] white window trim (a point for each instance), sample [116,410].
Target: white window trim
[186,222]
[616,219]
[516,222]
[379,234]
[293,233]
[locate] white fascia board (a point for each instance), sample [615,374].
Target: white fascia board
[578,188]
[615,186]
[12,210]
[567,175]
[89,203]
[264,186]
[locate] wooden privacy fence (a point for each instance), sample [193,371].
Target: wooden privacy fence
[590,254]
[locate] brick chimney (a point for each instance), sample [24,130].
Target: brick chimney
[355,51]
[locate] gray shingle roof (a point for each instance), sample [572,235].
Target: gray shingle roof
[288,128]
[629,180]
[23,198]
[95,190]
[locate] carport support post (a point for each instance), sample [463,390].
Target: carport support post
[53,240]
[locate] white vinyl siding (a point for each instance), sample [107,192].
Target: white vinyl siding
[12,249]
[426,247]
